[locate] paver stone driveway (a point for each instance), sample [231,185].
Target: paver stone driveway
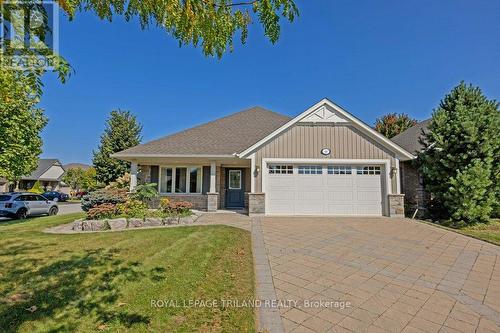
[398,274]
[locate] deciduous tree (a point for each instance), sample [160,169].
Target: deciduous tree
[392,124]
[20,125]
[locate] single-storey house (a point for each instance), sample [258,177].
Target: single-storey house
[324,161]
[48,172]
[4,185]
[412,182]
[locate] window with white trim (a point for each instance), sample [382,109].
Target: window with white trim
[176,179]
[339,169]
[310,169]
[368,170]
[280,169]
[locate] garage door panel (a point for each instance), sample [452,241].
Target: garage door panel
[282,195]
[309,196]
[342,196]
[308,209]
[339,181]
[308,181]
[324,194]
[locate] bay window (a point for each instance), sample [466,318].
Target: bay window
[180,180]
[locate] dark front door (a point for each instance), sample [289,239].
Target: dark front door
[235,188]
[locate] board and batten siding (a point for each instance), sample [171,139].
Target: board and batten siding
[306,141]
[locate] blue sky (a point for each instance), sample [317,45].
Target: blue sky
[371,57]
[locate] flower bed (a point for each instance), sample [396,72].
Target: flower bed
[109,209]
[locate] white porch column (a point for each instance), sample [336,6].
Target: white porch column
[252,173]
[213,172]
[133,176]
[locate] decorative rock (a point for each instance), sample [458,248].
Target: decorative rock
[135,223]
[187,219]
[78,225]
[152,222]
[93,225]
[117,223]
[170,220]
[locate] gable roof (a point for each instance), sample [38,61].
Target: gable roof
[409,139]
[44,164]
[337,114]
[222,137]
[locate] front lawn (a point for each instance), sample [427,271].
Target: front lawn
[489,232]
[106,281]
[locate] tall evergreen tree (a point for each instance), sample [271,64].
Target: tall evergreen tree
[462,157]
[122,131]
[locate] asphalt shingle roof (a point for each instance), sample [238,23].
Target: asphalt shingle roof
[409,139]
[224,136]
[43,165]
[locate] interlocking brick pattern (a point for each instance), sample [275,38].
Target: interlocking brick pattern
[400,275]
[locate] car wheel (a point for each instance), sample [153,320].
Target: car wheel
[21,214]
[53,211]
[55,199]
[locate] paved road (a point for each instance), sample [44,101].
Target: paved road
[399,275]
[69,207]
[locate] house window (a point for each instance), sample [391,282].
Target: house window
[181,179]
[310,170]
[339,169]
[368,170]
[281,169]
[195,180]
[235,179]
[166,180]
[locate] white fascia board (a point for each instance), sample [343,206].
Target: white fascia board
[325,101]
[118,155]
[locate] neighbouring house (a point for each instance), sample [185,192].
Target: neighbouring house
[4,185]
[48,172]
[324,161]
[412,182]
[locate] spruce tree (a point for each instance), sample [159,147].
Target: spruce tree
[461,161]
[122,131]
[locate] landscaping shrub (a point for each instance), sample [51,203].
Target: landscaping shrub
[133,208]
[99,197]
[37,188]
[176,207]
[146,193]
[104,211]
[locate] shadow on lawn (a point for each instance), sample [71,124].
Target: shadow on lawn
[84,286]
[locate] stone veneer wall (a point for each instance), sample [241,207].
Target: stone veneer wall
[256,203]
[396,205]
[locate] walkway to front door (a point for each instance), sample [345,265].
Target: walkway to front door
[235,188]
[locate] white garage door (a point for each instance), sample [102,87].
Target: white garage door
[323,190]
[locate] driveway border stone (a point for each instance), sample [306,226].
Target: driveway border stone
[268,317]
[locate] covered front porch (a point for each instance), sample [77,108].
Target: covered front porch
[208,183]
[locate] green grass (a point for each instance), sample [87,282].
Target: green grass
[105,281]
[489,232]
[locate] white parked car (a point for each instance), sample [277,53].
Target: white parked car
[20,205]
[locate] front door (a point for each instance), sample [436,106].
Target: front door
[235,188]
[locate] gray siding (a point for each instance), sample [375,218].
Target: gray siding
[306,141]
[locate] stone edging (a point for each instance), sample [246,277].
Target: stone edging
[268,318]
[121,224]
